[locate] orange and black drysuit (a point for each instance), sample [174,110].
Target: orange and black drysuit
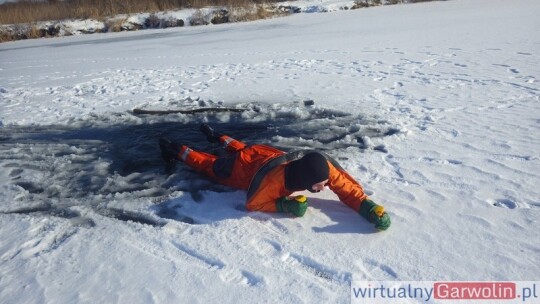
[260,170]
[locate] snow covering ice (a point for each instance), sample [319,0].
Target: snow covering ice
[433,107]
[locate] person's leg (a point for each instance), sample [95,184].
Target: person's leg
[197,160]
[230,144]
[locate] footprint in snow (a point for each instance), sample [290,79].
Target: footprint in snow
[535,205]
[504,203]
[372,269]
[275,256]
[266,247]
[269,222]
[477,220]
[311,267]
[226,273]
[195,257]
[241,277]
[45,237]
[15,173]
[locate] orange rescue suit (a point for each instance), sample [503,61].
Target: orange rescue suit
[246,162]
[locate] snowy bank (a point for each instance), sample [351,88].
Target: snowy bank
[180,18]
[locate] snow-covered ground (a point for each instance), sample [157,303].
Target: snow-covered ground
[433,107]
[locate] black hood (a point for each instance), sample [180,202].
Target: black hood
[305,172]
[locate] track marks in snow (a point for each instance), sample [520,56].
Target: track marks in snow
[451,73]
[50,228]
[394,165]
[238,276]
[270,223]
[441,161]
[430,96]
[43,237]
[401,71]
[477,220]
[275,256]
[227,273]
[198,258]
[373,270]
[43,211]
[316,269]
[266,247]
[272,252]
[505,203]
[513,204]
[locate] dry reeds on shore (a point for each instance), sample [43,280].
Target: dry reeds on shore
[29,11]
[28,19]
[25,19]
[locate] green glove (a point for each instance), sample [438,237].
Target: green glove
[295,205]
[375,214]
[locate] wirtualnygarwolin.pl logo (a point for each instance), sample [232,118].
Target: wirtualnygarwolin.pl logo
[503,292]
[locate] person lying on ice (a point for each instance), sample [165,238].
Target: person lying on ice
[271,176]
